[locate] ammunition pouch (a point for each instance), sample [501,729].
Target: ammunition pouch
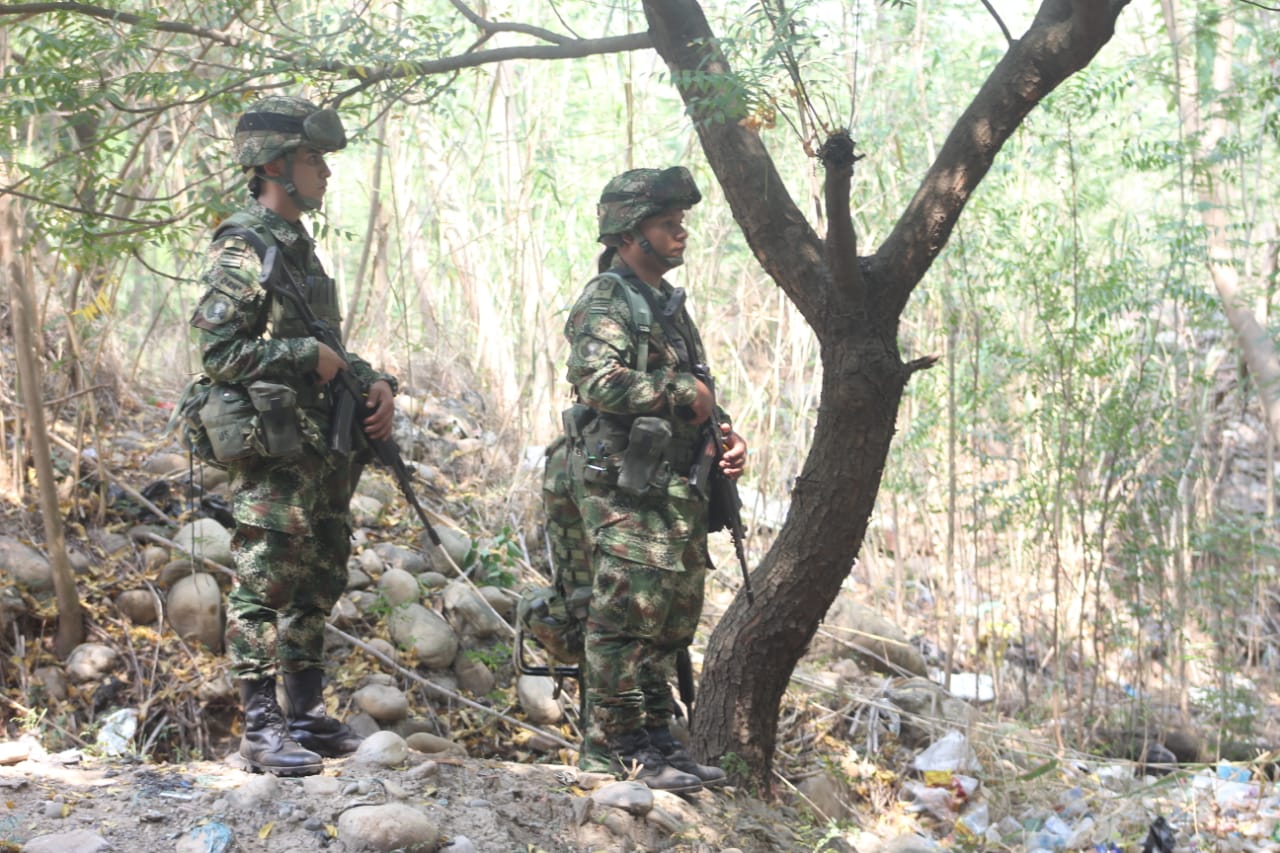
[228,417]
[603,441]
[277,407]
[643,461]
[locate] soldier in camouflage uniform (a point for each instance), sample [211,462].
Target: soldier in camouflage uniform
[647,547]
[293,524]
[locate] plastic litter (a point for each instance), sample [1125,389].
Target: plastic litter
[212,837]
[115,735]
[951,752]
[1160,837]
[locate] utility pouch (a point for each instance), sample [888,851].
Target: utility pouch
[642,461]
[185,420]
[277,407]
[575,419]
[603,441]
[228,417]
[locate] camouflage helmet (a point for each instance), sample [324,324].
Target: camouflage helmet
[637,194]
[274,126]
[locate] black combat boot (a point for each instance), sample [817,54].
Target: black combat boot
[634,757]
[309,725]
[266,743]
[678,757]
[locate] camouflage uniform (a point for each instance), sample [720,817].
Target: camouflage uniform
[293,525]
[647,552]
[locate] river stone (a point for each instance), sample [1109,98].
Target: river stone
[399,557]
[206,538]
[534,692]
[174,571]
[365,510]
[432,581]
[195,610]
[399,587]
[501,601]
[164,463]
[473,675]
[392,826]
[825,795]
[76,841]
[90,662]
[383,703]
[456,544]
[139,606]
[153,557]
[470,613]
[434,745]
[378,644]
[633,797]
[425,632]
[53,680]
[356,576]
[344,613]
[385,749]
[27,566]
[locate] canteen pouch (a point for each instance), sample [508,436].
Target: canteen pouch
[642,461]
[603,441]
[277,408]
[228,417]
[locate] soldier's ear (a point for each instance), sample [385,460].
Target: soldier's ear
[275,168]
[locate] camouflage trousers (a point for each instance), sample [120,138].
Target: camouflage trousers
[648,566]
[290,546]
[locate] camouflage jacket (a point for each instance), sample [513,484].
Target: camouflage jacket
[247,334]
[604,344]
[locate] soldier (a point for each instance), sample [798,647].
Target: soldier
[617,489]
[291,494]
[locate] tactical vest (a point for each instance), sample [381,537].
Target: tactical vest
[284,319]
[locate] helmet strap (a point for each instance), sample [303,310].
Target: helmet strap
[285,180]
[669,261]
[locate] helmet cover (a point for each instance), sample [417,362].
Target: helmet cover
[274,126]
[637,194]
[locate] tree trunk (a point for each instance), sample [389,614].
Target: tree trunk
[21,301]
[854,305]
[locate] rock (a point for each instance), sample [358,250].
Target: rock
[384,749]
[90,662]
[27,566]
[825,794]
[501,601]
[877,642]
[174,571]
[430,744]
[426,633]
[535,694]
[380,645]
[206,538]
[114,544]
[195,610]
[220,687]
[15,751]
[212,837]
[139,606]
[256,791]
[79,560]
[365,511]
[398,557]
[399,587]
[381,829]
[76,841]
[363,725]
[469,612]
[383,703]
[930,710]
[632,797]
[456,544]
[344,613]
[153,557]
[321,786]
[369,562]
[473,675]
[164,463]
[357,578]
[432,581]
[53,680]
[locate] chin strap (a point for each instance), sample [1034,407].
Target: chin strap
[286,181]
[671,261]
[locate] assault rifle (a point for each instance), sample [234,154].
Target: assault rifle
[721,492]
[349,402]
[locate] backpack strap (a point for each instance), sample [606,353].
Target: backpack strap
[641,313]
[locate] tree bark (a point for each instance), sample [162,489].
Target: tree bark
[21,301]
[854,305]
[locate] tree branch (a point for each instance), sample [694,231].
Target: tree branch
[1063,38]
[122,17]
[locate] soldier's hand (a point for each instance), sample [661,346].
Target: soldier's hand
[702,406]
[329,363]
[734,460]
[380,399]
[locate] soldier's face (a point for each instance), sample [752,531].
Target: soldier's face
[666,233]
[310,173]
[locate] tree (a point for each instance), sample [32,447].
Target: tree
[854,304]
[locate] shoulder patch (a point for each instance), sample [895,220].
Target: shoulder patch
[235,253]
